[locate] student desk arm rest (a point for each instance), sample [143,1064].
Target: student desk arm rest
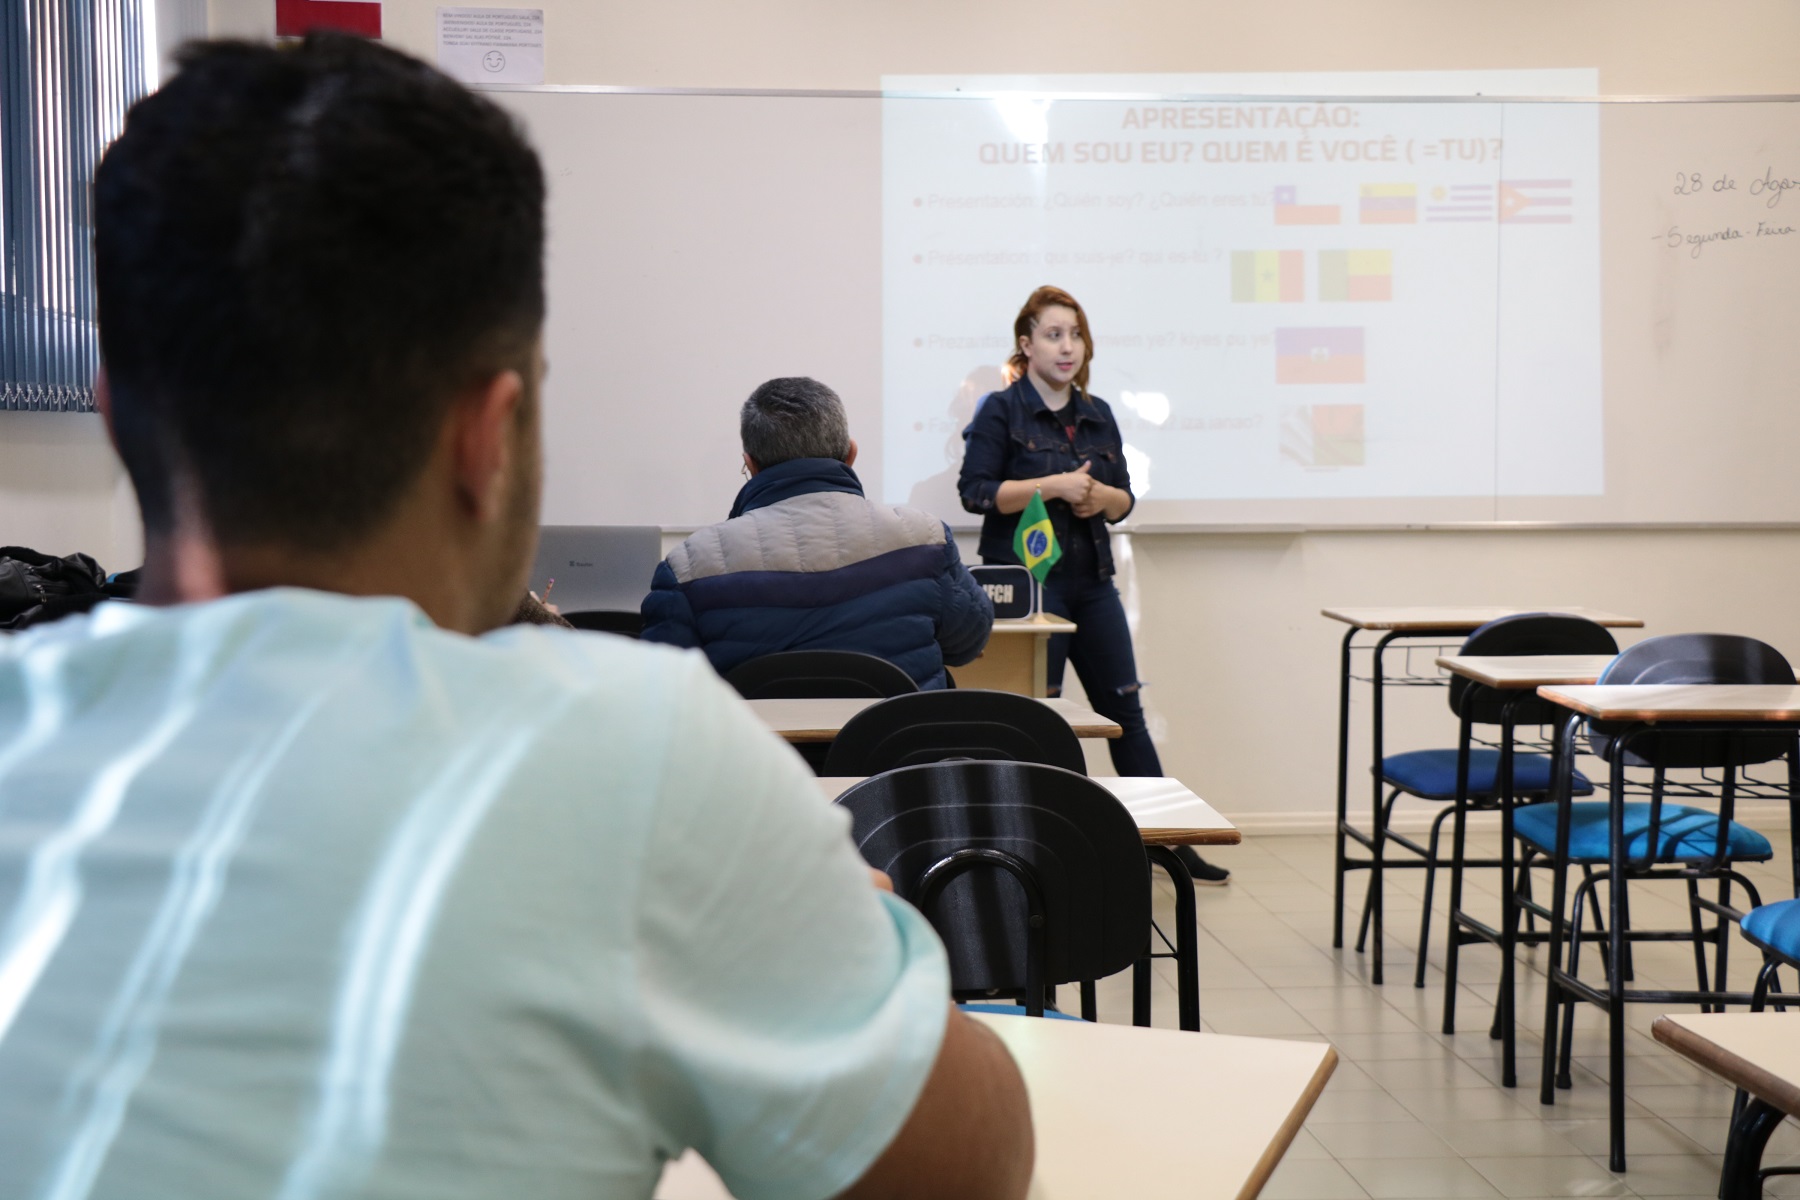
[1252,1097]
[1776,703]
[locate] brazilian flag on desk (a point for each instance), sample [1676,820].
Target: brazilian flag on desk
[1035,542]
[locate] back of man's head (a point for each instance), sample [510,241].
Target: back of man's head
[303,254]
[793,418]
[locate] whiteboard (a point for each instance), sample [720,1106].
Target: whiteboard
[701,243]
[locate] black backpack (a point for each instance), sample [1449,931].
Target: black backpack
[37,588]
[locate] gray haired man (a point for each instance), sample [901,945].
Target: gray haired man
[807,562]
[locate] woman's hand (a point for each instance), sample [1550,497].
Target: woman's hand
[1103,500]
[1074,486]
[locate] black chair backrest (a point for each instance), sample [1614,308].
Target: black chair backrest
[937,726]
[1002,831]
[813,674]
[1696,658]
[1523,633]
[606,620]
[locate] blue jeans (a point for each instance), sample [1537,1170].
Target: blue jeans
[1100,648]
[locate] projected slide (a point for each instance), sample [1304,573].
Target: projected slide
[1353,297]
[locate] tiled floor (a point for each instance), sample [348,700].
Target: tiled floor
[1413,1113]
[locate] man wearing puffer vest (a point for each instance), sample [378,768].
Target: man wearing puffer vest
[807,562]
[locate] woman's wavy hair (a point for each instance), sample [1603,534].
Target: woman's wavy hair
[1048,296]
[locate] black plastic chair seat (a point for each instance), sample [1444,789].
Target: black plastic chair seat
[969,723]
[1078,845]
[1431,774]
[602,620]
[819,674]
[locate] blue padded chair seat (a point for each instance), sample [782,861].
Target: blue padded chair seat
[1776,928]
[1013,1010]
[1686,834]
[1431,774]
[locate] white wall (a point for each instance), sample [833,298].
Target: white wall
[1672,46]
[1241,668]
[62,489]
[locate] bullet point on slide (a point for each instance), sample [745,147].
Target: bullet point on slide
[918,258]
[917,342]
[918,427]
[918,203]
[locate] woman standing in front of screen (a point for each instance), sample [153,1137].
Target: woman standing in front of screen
[1045,433]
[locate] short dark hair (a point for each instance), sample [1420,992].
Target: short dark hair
[302,254]
[793,418]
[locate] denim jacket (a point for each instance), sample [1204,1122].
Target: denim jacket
[1013,436]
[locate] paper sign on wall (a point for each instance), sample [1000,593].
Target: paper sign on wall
[491,45]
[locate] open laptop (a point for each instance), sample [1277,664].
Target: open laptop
[597,568]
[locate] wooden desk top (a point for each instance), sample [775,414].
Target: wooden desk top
[1128,1112]
[820,720]
[1427,618]
[1166,812]
[1759,1052]
[1026,625]
[1512,672]
[1652,702]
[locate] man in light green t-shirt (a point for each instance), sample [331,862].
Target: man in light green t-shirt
[312,887]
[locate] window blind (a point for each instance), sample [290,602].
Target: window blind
[68,71]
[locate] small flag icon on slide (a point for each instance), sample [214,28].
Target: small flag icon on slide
[1324,435]
[1356,274]
[1268,276]
[1388,204]
[1319,355]
[1466,203]
[1289,210]
[1536,201]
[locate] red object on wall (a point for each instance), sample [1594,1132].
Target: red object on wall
[294,17]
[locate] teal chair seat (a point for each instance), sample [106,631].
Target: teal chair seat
[1685,835]
[1775,928]
[1014,1010]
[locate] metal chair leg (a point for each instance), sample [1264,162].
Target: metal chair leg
[1724,943]
[1187,937]
[1340,870]
[1741,1178]
[1431,853]
[1698,926]
[1562,765]
[1587,873]
[1452,935]
[1525,888]
[1566,1047]
[1497,1028]
[1617,947]
[1371,916]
